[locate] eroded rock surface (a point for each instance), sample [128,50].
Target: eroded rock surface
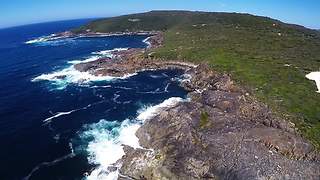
[221,133]
[127,62]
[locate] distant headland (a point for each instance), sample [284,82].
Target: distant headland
[251,113]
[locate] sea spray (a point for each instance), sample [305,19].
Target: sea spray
[107,137]
[58,116]
[62,78]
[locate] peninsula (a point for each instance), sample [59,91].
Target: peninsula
[252,114]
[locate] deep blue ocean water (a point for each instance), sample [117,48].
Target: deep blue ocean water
[63,129]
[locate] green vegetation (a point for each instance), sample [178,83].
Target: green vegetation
[204,119]
[267,57]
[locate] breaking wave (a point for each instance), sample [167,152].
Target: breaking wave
[62,78]
[52,40]
[107,137]
[146,41]
[109,53]
[42,39]
[89,59]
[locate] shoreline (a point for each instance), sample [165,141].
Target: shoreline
[222,132]
[131,60]
[70,34]
[221,129]
[218,123]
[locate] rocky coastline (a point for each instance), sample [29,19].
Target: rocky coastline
[223,132]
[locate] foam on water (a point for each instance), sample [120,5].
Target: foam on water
[99,54]
[89,59]
[40,39]
[109,53]
[49,38]
[146,40]
[107,137]
[151,111]
[57,115]
[62,78]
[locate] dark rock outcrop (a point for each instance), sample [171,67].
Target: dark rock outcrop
[127,62]
[221,133]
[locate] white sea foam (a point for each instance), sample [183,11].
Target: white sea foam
[315,76]
[151,111]
[41,39]
[166,88]
[57,115]
[69,75]
[106,147]
[146,41]
[108,53]
[106,86]
[89,59]
[62,78]
[108,136]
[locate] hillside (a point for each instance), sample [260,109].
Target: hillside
[268,57]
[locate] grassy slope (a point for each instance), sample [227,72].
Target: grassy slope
[248,47]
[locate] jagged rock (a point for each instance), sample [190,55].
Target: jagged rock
[240,138]
[221,133]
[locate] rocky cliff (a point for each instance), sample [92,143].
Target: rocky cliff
[221,133]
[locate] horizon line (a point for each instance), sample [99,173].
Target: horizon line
[130,13]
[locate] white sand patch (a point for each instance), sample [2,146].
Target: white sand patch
[315,76]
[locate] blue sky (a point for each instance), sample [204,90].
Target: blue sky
[18,12]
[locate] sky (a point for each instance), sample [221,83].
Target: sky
[20,12]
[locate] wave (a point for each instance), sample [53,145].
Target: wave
[98,55]
[107,137]
[146,41]
[106,86]
[42,39]
[62,78]
[89,59]
[166,88]
[58,115]
[109,53]
[150,111]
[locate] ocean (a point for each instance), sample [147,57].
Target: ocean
[71,127]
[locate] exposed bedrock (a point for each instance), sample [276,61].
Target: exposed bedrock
[221,133]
